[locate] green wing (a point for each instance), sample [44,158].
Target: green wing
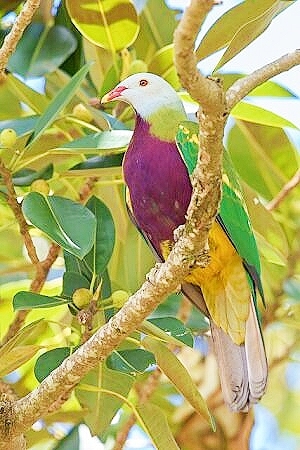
[233,216]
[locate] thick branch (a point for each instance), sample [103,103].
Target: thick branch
[11,40]
[244,86]
[205,91]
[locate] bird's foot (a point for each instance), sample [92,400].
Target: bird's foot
[202,260]
[151,276]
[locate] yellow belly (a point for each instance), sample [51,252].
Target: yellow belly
[224,285]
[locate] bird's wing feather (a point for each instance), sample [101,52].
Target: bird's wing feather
[233,216]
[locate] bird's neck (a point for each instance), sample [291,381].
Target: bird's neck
[163,123]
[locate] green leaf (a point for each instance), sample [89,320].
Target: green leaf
[106,140]
[156,30]
[177,373]
[36,55]
[227,27]
[251,30]
[15,352]
[130,361]
[71,441]
[61,99]
[100,162]
[271,239]
[56,216]
[256,114]
[162,64]
[21,126]
[267,89]
[101,252]
[24,300]
[49,361]
[245,144]
[36,101]
[16,357]
[73,281]
[174,328]
[103,406]
[155,424]
[25,177]
[112,24]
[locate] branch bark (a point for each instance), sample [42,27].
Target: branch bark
[11,40]
[244,86]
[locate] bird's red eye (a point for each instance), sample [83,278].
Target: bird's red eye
[143,82]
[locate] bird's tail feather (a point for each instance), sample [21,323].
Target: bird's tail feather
[242,368]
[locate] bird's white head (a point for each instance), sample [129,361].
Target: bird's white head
[146,93]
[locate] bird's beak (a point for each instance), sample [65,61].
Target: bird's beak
[115,93]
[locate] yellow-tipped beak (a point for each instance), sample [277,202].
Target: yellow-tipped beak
[114,94]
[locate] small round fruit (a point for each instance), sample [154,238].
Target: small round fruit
[8,137]
[119,298]
[82,113]
[81,297]
[40,186]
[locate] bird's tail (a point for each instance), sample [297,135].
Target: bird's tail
[242,368]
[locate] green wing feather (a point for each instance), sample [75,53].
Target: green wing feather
[233,215]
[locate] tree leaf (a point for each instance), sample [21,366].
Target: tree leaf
[36,101]
[49,361]
[228,25]
[267,89]
[175,328]
[260,172]
[71,441]
[162,64]
[177,373]
[251,30]
[25,177]
[102,406]
[106,140]
[154,422]
[100,162]
[73,281]
[112,25]
[15,352]
[36,55]
[61,99]
[130,361]
[101,252]
[56,216]
[256,114]
[25,300]
[16,357]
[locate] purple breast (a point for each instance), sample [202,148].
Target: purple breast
[158,182]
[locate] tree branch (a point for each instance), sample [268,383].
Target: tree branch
[244,86]
[11,40]
[205,91]
[287,188]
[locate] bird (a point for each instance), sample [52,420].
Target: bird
[158,181]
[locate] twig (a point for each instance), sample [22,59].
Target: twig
[16,209]
[284,192]
[144,394]
[11,40]
[244,86]
[35,286]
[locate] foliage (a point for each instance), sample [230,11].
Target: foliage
[79,157]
